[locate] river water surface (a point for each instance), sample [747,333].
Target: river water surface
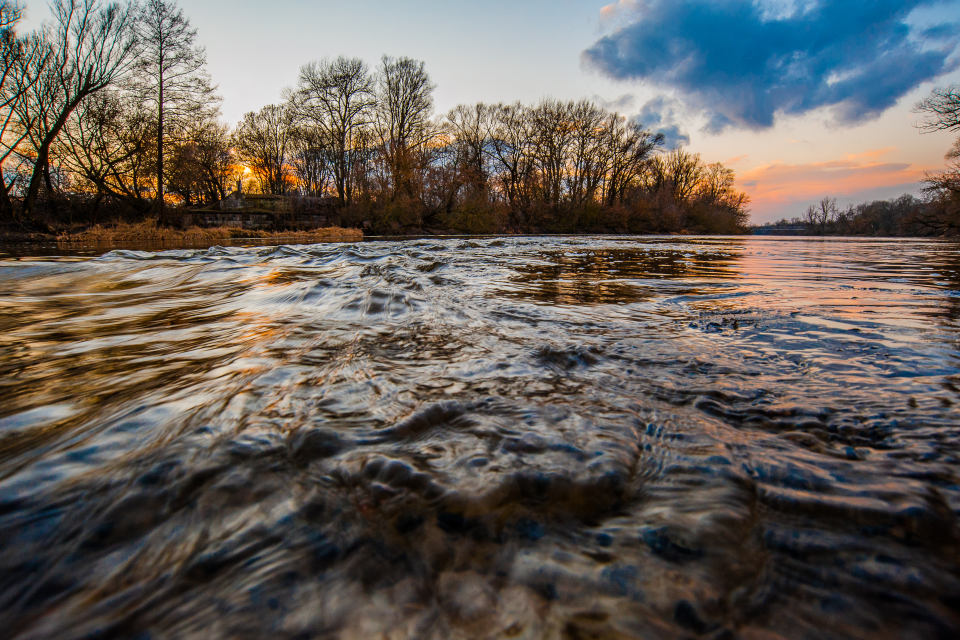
[450,438]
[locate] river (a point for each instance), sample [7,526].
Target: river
[594,437]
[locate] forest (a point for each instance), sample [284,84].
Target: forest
[108,114]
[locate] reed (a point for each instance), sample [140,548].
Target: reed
[149,232]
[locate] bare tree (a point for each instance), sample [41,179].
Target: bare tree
[336,96]
[216,160]
[170,75]
[201,164]
[468,129]
[404,102]
[90,44]
[717,197]
[686,173]
[630,147]
[942,110]
[716,183]
[22,60]
[588,154]
[817,216]
[106,143]
[262,140]
[552,136]
[10,14]
[510,148]
[310,157]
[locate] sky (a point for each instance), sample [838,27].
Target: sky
[802,98]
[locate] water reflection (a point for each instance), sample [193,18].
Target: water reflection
[565,437]
[620,275]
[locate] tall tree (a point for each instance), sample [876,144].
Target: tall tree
[404,103]
[337,97]
[629,147]
[170,75]
[553,135]
[942,111]
[510,149]
[468,127]
[90,45]
[588,154]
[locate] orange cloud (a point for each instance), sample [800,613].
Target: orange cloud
[613,9]
[777,184]
[870,154]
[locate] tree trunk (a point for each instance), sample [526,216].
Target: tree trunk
[42,163]
[6,207]
[160,147]
[46,177]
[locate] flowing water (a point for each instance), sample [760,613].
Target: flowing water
[450,438]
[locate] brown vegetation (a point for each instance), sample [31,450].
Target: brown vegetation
[149,233]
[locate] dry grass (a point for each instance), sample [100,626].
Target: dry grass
[149,233]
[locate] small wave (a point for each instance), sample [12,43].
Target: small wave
[519,437]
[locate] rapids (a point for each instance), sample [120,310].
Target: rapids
[483,438]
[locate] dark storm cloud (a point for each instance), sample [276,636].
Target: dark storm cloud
[743,64]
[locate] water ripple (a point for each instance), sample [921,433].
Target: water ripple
[449,438]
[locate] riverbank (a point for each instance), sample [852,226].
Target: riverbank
[149,232]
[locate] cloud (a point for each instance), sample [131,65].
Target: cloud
[660,116]
[617,104]
[744,62]
[773,187]
[617,8]
[945,31]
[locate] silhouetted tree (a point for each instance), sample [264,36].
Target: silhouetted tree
[404,102]
[23,60]
[202,164]
[336,96]
[90,45]
[169,74]
[262,140]
[310,158]
[629,147]
[942,110]
[106,144]
[467,128]
[817,216]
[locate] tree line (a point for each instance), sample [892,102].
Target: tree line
[937,213]
[108,112]
[906,215]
